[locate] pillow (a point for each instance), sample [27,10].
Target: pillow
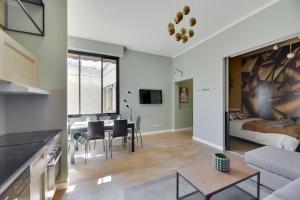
[241,115]
[233,116]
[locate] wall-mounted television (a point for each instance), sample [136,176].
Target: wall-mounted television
[150,96]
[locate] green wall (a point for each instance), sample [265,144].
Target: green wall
[205,63]
[146,71]
[92,46]
[138,71]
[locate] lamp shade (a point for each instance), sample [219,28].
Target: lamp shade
[290,55]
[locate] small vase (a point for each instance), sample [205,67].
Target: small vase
[221,162]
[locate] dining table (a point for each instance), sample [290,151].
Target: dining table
[82,127]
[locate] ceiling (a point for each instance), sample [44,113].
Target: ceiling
[141,25]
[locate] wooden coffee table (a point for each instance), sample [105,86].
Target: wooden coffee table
[208,181]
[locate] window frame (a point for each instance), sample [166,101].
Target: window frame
[103,57]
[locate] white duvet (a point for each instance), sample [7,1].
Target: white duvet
[270,139]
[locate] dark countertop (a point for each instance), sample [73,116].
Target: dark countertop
[27,137]
[16,149]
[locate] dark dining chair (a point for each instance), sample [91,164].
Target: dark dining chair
[138,130]
[95,132]
[119,131]
[114,116]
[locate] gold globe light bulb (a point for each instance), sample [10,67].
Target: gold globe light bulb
[171,30]
[183,31]
[179,16]
[193,21]
[178,36]
[191,33]
[186,10]
[185,38]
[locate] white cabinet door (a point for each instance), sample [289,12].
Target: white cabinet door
[38,177]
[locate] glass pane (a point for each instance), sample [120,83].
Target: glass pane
[90,85]
[73,84]
[109,86]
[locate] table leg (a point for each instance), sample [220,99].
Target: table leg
[132,138]
[177,185]
[258,185]
[72,148]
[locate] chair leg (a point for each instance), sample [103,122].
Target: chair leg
[124,144]
[89,145]
[111,149]
[141,140]
[104,147]
[129,146]
[85,152]
[105,143]
[94,144]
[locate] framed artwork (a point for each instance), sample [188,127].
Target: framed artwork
[183,95]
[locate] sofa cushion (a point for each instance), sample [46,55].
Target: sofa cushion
[289,192]
[278,161]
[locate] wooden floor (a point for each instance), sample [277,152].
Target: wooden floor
[162,155]
[240,146]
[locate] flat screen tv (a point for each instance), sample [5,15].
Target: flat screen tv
[150,96]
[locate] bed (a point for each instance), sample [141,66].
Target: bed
[285,140]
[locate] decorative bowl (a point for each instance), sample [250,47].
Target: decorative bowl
[221,162]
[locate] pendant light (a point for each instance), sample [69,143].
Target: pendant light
[275,47]
[182,34]
[291,54]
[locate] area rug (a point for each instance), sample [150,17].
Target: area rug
[165,189]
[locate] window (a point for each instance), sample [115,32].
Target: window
[92,84]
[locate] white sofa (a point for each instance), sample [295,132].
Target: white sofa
[280,171]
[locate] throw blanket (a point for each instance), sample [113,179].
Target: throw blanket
[264,127]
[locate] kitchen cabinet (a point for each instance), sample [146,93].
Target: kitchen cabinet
[17,64]
[38,174]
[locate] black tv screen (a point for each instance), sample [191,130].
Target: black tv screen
[150,96]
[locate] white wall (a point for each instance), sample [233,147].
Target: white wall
[204,63]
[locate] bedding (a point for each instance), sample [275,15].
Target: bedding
[284,141]
[264,126]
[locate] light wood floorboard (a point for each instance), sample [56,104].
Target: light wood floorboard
[162,155]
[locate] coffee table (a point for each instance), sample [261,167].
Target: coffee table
[208,181]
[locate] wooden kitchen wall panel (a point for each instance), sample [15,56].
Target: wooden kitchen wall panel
[18,64]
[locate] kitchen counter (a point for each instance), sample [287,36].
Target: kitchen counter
[17,150]
[27,137]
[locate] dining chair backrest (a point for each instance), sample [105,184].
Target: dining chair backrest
[138,122]
[95,130]
[114,116]
[120,128]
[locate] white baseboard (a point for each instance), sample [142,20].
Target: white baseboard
[183,129]
[167,131]
[157,132]
[62,186]
[208,143]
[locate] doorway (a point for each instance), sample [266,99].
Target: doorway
[183,105]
